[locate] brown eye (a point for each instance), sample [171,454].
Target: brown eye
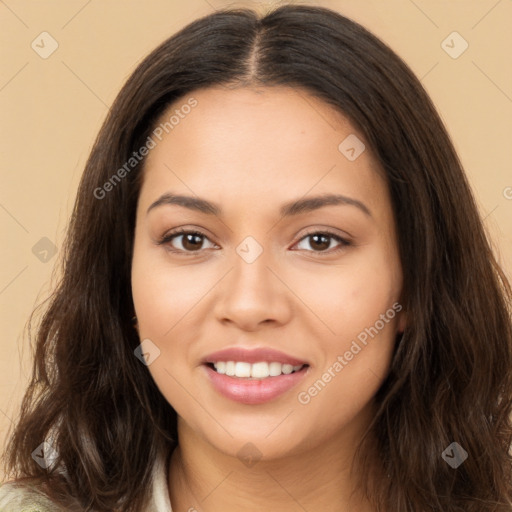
[190,241]
[320,241]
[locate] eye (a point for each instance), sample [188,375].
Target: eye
[320,241]
[191,241]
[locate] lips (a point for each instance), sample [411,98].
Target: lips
[257,355]
[253,391]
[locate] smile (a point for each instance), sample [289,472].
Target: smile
[253,376]
[260,370]
[254,390]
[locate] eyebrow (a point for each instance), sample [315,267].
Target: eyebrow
[288,209]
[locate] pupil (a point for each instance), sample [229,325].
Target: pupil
[190,239]
[325,244]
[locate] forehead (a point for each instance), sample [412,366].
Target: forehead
[261,143]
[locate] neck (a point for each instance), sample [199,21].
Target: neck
[202,478]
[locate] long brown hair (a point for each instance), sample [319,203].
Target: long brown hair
[450,378]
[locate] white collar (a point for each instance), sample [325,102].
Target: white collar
[160,501]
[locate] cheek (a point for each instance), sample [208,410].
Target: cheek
[347,298]
[355,361]
[164,293]
[359,303]
[163,296]
[166,298]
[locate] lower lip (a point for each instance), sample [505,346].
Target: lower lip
[254,391]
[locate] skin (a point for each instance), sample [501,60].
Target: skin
[249,151]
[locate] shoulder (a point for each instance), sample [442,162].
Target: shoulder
[17,497]
[20,498]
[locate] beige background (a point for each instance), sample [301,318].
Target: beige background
[52,109]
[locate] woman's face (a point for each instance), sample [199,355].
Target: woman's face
[263,275]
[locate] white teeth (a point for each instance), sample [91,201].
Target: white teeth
[275,369]
[230,368]
[220,367]
[242,369]
[260,370]
[287,369]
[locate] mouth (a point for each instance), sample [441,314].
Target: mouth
[254,371]
[253,376]
[254,384]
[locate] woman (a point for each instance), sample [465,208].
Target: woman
[277,292]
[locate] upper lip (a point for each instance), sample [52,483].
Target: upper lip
[252,356]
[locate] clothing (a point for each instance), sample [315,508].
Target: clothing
[23,499]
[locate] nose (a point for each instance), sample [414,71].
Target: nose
[253,294]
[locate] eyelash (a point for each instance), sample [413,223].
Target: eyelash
[168,237]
